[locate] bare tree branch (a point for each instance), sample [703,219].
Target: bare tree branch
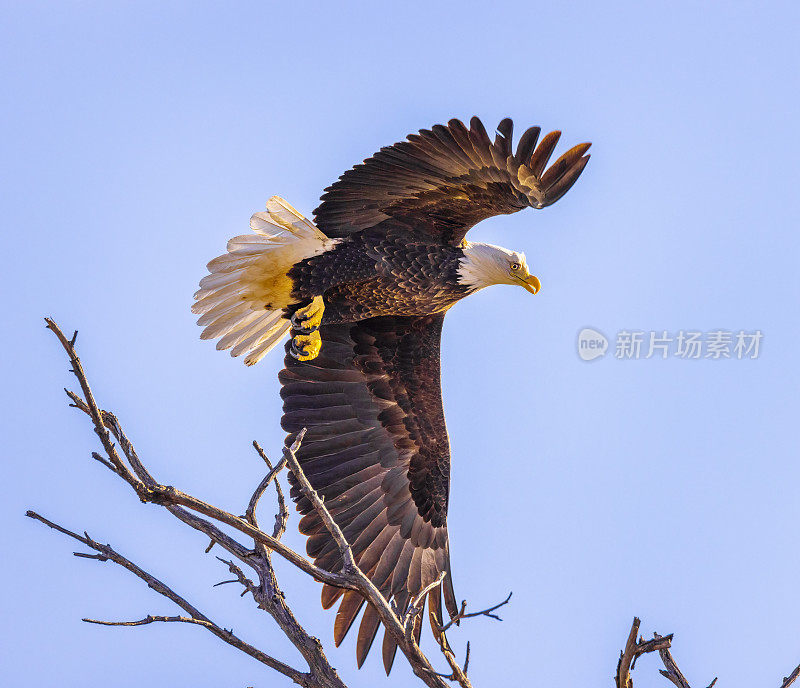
[107,553]
[146,620]
[282,517]
[662,644]
[149,490]
[418,604]
[635,648]
[462,613]
[790,679]
[671,671]
[191,511]
[122,460]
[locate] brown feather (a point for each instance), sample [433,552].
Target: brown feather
[388,652]
[330,594]
[370,623]
[543,152]
[389,649]
[570,177]
[564,163]
[347,613]
[502,141]
[527,143]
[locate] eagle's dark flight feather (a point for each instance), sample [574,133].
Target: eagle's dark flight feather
[443,181]
[377,450]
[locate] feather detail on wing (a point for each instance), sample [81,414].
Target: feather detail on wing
[376,449]
[241,299]
[445,180]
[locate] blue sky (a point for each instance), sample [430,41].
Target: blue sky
[138,137]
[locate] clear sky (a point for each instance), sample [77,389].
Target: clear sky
[139,136]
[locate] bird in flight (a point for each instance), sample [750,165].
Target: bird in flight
[363,290]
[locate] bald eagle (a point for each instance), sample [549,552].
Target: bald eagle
[363,291]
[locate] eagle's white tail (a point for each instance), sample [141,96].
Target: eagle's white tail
[242,298]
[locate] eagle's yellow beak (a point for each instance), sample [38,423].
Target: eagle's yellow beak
[532,284]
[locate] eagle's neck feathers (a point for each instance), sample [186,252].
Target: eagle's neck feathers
[483,265]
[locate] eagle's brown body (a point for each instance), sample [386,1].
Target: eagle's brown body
[385,271]
[385,258]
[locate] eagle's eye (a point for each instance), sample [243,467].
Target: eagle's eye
[515,266]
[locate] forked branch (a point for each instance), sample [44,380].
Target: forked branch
[108,553]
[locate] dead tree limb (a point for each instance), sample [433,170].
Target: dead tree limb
[791,678]
[662,644]
[108,553]
[122,460]
[462,612]
[636,648]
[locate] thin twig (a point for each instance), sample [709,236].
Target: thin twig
[282,517]
[462,613]
[225,582]
[105,462]
[348,561]
[91,406]
[418,603]
[112,423]
[147,620]
[250,513]
[457,672]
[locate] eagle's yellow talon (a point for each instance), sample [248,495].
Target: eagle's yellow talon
[306,347]
[309,318]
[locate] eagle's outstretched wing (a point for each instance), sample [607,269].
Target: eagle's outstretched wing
[377,451]
[445,180]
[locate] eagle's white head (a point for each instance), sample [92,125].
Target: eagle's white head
[485,264]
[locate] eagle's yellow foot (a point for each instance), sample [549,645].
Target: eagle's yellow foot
[308,319]
[305,347]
